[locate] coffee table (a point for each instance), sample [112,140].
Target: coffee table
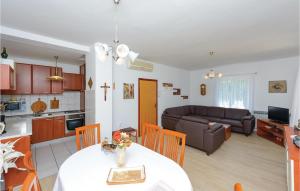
[227,131]
[227,128]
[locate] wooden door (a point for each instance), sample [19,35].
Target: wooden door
[147,102]
[40,82]
[58,127]
[56,86]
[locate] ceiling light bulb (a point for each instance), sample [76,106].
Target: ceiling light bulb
[120,61]
[133,56]
[122,50]
[206,77]
[101,51]
[220,75]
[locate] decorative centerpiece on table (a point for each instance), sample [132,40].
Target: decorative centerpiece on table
[122,140]
[8,158]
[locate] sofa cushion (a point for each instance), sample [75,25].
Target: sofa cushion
[216,112]
[195,119]
[237,114]
[212,119]
[200,110]
[180,111]
[172,116]
[232,122]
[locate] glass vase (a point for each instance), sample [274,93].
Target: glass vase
[121,157]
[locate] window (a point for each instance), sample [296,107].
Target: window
[235,92]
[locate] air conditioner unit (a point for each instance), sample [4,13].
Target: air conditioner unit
[141,65]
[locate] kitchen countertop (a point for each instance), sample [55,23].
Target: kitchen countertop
[17,127]
[44,115]
[21,125]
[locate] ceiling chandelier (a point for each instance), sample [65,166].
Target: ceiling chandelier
[212,74]
[120,52]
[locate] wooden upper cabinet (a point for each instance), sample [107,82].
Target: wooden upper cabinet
[72,82]
[40,82]
[56,86]
[23,80]
[7,77]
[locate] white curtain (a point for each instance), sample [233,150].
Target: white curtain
[295,111]
[235,92]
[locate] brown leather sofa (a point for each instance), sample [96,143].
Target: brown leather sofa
[193,121]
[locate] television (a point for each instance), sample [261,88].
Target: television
[278,114]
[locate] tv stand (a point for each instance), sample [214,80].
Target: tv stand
[273,131]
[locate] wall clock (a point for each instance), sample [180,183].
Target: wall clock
[203,89]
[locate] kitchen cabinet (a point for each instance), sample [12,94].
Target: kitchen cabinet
[57,86]
[73,82]
[7,77]
[46,129]
[40,82]
[42,130]
[23,80]
[58,127]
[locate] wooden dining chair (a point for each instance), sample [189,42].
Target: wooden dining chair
[27,161]
[31,182]
[87,135]
[170,145]
[238,187]
[150,136]
[29,166]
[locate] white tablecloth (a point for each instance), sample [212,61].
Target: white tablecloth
[87,170]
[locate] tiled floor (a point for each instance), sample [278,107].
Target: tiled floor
[48,158]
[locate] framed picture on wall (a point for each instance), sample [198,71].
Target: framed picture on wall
[128,91]
[279,86]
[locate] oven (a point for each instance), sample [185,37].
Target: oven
[73,121]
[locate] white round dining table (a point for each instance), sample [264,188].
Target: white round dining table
[88,169]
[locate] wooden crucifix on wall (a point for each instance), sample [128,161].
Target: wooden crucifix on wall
[105,90]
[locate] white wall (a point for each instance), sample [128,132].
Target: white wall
[99,110]
[296,102]
[125,111]
[280,69]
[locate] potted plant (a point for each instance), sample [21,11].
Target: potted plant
[8,158]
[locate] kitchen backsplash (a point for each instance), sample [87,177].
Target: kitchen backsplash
[67,101]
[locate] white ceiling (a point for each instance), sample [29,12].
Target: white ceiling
[38,51]
[179,33]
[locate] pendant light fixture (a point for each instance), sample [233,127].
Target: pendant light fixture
[120,52]
[212,74]
[56,77]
